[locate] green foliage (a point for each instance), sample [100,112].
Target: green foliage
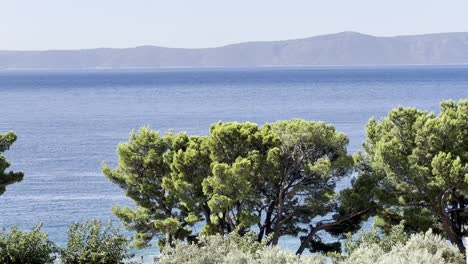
[370,248]
[144,163]
[94,243]
[238,159]
[19,247]
[374,237]
[6,178]
[232,249]
[419,164]
[276,178]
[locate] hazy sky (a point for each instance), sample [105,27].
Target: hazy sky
[73,24]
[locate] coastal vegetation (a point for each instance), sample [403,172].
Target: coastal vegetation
[275,179]
[367,248]
[419,162]
[91,242]
[7,178]
[94,242]
[34,247]
[231,195]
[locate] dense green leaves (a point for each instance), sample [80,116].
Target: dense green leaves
[6,178]
[19,247]
[88,243]
[273,180]
[144,163]
[312,157]
[419,162]
[94,243]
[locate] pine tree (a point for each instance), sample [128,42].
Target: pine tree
[419,162]
[7,178]
[273,179]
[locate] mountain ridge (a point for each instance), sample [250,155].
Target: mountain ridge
[344,49]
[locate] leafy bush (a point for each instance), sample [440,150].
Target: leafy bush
[19,247]
[93,243]
[427,248]
[231,249]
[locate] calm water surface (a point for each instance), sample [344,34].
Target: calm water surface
[69,122]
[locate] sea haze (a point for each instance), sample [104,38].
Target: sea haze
[69,122]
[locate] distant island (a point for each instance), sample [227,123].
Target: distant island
[345,49]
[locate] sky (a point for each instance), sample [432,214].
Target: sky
[82,24]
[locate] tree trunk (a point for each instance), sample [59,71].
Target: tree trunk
[322,226]
[305,242]
[269,214]
[265,230]
[207,213]
[453,235]
[450,227]
[276,235]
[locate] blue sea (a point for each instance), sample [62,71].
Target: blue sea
[69,122]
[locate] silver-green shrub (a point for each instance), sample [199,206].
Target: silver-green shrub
[425,248]
[386,242]
[231,249]
[368,248]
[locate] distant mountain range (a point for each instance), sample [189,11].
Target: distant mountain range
[346,49]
